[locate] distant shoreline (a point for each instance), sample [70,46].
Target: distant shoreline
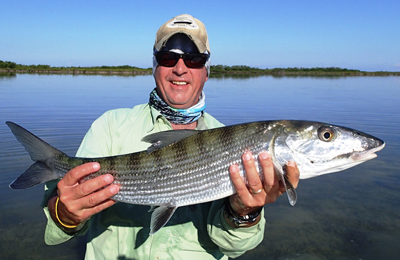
[282,72]
[216,70]
[72,71]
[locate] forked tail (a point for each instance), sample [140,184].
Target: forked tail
[41,153]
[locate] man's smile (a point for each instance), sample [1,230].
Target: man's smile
[179,82]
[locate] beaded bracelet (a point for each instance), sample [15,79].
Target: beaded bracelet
[59,220]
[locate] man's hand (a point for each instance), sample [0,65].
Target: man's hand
[257,193]
[78,199]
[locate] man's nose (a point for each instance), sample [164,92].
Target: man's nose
[180,67]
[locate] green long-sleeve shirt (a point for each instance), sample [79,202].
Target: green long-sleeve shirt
[122,231]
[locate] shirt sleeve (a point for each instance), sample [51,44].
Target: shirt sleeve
[53,235]
[233,242]
[89,147]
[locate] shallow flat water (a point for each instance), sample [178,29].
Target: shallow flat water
[353,214]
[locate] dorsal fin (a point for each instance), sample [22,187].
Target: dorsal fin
[162,139]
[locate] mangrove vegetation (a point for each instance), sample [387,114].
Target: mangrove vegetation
[217,70]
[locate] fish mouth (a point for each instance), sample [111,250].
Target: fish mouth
[356,158]
[367,155]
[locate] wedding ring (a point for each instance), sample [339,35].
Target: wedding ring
[256,192]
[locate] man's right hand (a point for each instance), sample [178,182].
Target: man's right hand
[78,199]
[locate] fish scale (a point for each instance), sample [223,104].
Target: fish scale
[194,177]
[185,167]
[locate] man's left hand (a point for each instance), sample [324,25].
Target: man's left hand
[257,193]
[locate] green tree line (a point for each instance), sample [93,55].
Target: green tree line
[214,68]
[217,69]
[41,67]
[224,68]
[7,65]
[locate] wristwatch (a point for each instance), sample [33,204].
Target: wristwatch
[240,221]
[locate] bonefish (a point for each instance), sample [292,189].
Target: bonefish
[185,167]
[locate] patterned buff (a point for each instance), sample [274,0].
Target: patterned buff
[178,116]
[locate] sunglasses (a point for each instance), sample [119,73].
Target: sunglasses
[192,60]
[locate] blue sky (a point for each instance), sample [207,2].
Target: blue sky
[267,34]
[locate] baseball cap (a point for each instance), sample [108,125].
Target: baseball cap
[186,24]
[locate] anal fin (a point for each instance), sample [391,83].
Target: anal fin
[161,216]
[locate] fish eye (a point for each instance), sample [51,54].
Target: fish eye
[326,134]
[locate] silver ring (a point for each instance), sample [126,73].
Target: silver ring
[256,192]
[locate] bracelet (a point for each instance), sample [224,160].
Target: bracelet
[240,221]
[59,220]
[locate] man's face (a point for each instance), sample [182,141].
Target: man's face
[179,86]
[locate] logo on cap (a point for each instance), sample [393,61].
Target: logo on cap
[183,22]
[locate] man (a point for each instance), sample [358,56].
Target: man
[214,230]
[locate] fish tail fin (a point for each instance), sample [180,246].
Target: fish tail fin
[41,153]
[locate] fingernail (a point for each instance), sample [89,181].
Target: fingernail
[108,178]
[291,163]
[264,155]
[96,166]
[114,189]
[246,156]
[234,168]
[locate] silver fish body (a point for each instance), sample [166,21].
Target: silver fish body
[185,167]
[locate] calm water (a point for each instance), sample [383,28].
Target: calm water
[354,214]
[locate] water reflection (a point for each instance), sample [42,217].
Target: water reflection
[7,75]
[234,76]
[311,76]
[276,76]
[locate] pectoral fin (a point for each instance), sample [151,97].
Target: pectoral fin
[290,190]
[160,217]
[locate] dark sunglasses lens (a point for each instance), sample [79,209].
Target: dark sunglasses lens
[167,59]
[195,60]
[192,60]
